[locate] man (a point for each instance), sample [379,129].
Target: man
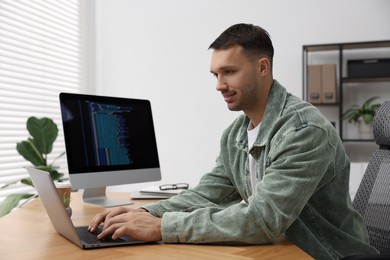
[282,169]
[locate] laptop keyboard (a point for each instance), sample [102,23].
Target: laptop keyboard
[91,238]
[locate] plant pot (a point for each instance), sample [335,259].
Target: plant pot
[64,189]
[69,211]
[365,131]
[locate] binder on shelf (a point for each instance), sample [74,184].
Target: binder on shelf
[314,84]
[328,80]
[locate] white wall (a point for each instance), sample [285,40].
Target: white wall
[157,50]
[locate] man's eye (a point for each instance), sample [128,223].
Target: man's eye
[229,72]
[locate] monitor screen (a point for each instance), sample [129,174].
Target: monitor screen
[109,141]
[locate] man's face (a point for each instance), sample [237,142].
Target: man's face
[237,78]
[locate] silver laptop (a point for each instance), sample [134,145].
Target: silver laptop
[61,220]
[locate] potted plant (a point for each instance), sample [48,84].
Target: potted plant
[35,149]
[363,116]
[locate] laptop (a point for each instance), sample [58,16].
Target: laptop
[61,220]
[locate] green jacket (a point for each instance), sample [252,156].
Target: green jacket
[302,191]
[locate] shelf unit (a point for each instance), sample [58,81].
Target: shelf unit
[349,90]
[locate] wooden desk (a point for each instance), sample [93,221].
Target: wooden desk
[27,233]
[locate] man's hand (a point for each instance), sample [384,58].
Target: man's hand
[136,223]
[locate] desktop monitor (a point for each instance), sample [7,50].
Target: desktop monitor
[109,141]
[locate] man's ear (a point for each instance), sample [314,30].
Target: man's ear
[264,65]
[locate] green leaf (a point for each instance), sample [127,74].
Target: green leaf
[11,201]
[367,118]
[27,181]
[29,152]
[44,132]
[55,175]
[55,159]
[375,107]
[368,102]
[5,185]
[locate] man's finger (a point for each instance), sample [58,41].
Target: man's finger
[115,219]
[96,222]
[119,231]
[107,232]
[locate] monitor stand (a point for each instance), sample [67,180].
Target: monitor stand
[98,197]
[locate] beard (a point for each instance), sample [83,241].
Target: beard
[247,97]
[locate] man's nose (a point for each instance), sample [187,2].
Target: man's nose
[221,84]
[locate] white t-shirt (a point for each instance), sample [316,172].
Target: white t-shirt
[252,135]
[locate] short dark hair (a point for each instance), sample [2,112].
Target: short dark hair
[255,40]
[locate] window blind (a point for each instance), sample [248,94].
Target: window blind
[40,56]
